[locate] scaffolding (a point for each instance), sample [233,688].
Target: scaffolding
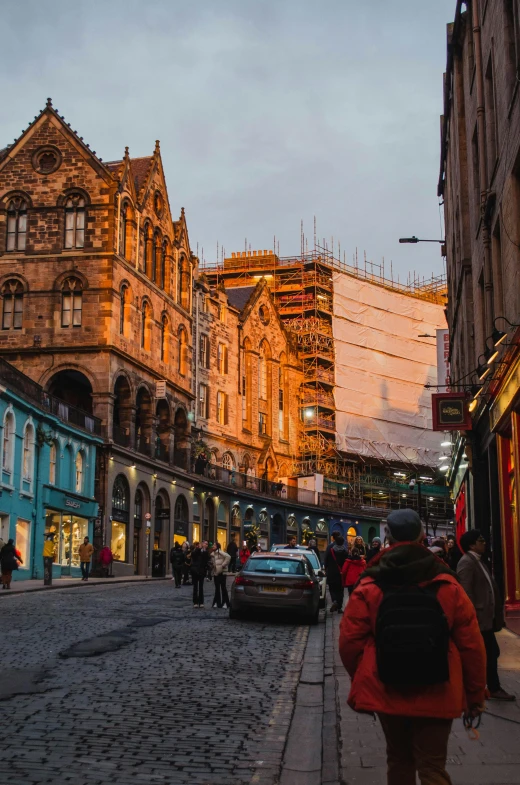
[303,289]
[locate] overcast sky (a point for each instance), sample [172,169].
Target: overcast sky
[268,111]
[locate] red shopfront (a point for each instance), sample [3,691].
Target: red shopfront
[505,422]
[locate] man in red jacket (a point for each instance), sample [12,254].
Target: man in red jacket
[416,717]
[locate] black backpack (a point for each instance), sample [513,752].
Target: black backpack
[412,637]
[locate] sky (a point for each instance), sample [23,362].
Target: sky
[269,112]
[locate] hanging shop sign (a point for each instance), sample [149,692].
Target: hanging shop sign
[450,412]
[443,363]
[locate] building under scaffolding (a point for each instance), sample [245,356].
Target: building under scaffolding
[306,291]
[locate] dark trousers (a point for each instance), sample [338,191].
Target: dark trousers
[492,655]
[221,593]
[177,574]
[233,564]
[47,570]
[185,574]
[416,744]
[336,594]
[198,589]
[85,569]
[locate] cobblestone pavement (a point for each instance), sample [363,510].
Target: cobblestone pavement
[195,698]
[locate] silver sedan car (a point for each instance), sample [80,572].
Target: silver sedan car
[277,582]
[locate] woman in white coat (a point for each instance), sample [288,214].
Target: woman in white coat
[219,561]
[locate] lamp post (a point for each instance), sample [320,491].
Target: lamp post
[414,240]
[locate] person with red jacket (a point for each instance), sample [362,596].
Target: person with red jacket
[351,571]
[416,718]
[243,554]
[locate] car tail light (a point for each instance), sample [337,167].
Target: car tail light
[303,585]
[241,581]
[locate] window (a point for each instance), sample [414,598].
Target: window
[222,313]
[491,121]
[23,539]
[227,461]
[183,352]
[123,236]
[52,463]
[183,284]
[203,303]
[12,296]
[122,304]
[146,326]
[156,257]
[164,339]
[28,453]
[262,423]
[162,279]
[222,408]
[204,351]
[120,498]
[247,388]
[203,401]
[8,442]
[71,303]
[280,411]
[147,248]
[75,221]
[222,359]
[79,472]
[16,224]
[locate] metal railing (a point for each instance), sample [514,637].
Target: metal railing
[258,485]
[34,393]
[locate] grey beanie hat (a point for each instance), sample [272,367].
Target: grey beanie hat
[404,525]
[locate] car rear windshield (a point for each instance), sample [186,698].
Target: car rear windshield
[311,556]
[284,566]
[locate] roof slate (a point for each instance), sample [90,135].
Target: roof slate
[239,296]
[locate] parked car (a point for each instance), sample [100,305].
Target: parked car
[277,582]
[315,564]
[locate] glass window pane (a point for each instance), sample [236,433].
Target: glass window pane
[8,312]
[65,310]
[79,532]
[21,241]
[22,222]
[80,238]
[23,539]
[118,541]
[69,220]
[80,219]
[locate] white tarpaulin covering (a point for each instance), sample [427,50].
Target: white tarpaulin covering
[382,408]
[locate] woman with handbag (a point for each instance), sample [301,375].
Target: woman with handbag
[9,559]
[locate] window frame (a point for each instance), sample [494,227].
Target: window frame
[16,216]
[75,231]
[203,408]
[74,298]
[9,437]
[12,294]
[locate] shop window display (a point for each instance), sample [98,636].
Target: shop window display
[69,532]
[23,539]
[118,544]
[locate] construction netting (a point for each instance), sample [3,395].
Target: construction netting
[382,407]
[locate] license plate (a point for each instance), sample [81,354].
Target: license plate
[277,589]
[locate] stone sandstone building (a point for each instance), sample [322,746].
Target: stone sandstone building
[480,184]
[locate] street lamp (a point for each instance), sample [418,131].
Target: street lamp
[417,240]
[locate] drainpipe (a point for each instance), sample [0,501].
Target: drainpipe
[481,130]
[37,456]
[117,221]
[137,241]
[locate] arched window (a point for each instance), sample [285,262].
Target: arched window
[124,230]
[146,327]
[75,221]
[228,461]
[120,497]
[183,352]
[28,453]
[156,257]
[247,387]
[183,284]
[12,312]
[79,472]
[165,343]
[122,304]
[147,248]
[283,398]
[53,454]
[71,303]
[162,278]
[181,512]
[262,372]
[16,224]
[8,442]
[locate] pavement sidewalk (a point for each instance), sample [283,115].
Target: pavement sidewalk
[22,587]
[493,759]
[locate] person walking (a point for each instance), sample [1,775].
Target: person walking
[454,554]
[48,558]
[410,641]
[291,543]
[106,559]
[374,549]
[313,545]
[334,560]
[85,550]
[232,550]
[199,568]
[482,590]
[219,567]
[10,559]
[351,571]
[186,568]
[244,555]
[359,543]
[177,562]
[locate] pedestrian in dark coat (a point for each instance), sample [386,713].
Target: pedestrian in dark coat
[9,559]
[177,562]
[454,553]
[199,569]
[232,550]
[484,593]
[374,549]
[334,560]
[186,568]
[313,545]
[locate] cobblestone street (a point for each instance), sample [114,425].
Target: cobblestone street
[158,692]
